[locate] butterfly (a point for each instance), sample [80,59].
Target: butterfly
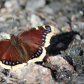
[28,46]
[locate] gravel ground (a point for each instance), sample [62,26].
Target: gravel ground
[66,64]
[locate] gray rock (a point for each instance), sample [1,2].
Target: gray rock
[74,52]
[32,5]
[47,10]
[77,26]
[78,79]
[7,25]
[63,21]
[56,6]
[16,7]
[22,2]
[35,20]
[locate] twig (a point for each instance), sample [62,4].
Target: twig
[49,20]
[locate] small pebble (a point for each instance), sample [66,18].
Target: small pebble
[8,4]
[3,10]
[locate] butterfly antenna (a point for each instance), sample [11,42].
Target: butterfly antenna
[12,24]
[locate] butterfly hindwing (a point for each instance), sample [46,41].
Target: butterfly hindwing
[8,55]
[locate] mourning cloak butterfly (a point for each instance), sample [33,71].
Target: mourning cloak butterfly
[28,46]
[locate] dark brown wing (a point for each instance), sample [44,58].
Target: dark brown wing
[34,53]
[8,55]
[40,35]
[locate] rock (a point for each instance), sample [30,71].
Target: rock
[73,18]
[35,20]
[1,69]
[82,41]
[7,25]
[74,52]
[8,4]
[56,6]
[60,62]
[2,19]
[66,28]
[32,5]
[77,37]
[77,26]
[78,79]
[23,18]
[22,3]
[33,73]
[63,22]
[4,35]
[16,7]
[3,10]
[47,10]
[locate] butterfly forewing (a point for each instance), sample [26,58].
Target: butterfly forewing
[33,36]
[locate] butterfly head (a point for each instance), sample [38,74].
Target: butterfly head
[14,40]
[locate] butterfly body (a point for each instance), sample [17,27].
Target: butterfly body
[18,46]
[28,46]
